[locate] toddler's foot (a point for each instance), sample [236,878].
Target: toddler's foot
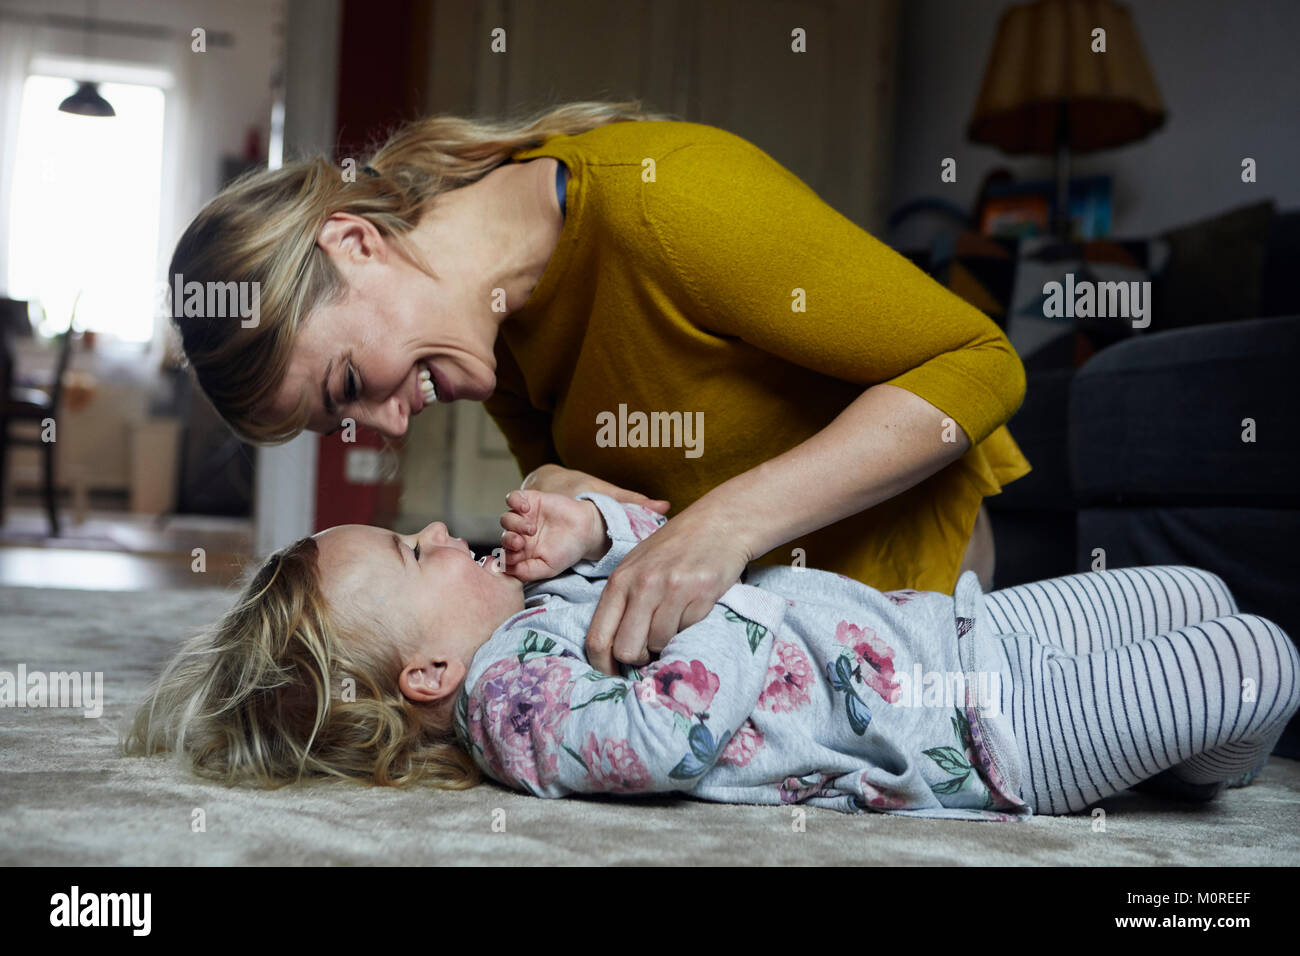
[1245,779]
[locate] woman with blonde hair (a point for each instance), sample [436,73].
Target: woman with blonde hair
[651,309]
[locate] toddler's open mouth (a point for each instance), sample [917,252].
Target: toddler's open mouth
[489,562]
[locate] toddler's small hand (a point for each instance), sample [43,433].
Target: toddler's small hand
[545,534]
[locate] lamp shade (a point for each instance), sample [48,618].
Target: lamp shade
[1042,63]
[87,102]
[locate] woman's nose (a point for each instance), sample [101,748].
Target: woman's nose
[389,419]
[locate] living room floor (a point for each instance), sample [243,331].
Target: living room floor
[119,551]
[69,797]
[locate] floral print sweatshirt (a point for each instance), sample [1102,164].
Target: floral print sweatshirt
[799,687]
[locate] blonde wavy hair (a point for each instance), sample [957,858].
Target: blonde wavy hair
[258,699]
[262,228]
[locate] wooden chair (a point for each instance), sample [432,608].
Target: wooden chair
[24,407]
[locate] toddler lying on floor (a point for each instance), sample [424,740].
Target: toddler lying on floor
[395,659]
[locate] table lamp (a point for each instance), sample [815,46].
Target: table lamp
[1046,92]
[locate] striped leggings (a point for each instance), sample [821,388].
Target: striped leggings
[1139,676]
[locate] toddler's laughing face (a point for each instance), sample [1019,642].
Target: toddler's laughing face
[425,593]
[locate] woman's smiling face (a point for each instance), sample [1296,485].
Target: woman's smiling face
[363,356]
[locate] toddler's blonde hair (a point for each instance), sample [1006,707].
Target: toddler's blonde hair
[259,699]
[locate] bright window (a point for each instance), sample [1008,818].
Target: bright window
[85,208]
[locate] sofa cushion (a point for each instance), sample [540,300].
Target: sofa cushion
[1279,293]
[1159,418]
[1214,268]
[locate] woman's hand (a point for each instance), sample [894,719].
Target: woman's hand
[546,534]
[570,482]
[665,584]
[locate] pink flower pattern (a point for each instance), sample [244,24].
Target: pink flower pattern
[799,789]
[788,678]
[1000,789]
[517,713]
[644,522]
[516,717]
[744,746]
[685,687]
[614,765]
[880,799]
[876,656]
[901,596]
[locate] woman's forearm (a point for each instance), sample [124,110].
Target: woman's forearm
[885,442]
[569,482]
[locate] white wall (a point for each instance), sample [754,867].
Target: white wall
[1227,73]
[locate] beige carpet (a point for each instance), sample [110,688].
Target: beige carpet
[66,797]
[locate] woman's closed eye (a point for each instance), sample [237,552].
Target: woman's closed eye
[350,385]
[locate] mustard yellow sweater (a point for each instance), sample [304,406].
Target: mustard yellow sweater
[675,295]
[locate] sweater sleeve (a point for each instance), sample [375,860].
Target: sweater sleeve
[551,724]
[626,525]
[748,239]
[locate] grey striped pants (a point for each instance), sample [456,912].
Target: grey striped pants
[1125,675]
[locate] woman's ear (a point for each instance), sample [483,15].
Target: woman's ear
[432,679]
[355,237]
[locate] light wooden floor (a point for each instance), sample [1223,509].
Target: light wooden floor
[122,552]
